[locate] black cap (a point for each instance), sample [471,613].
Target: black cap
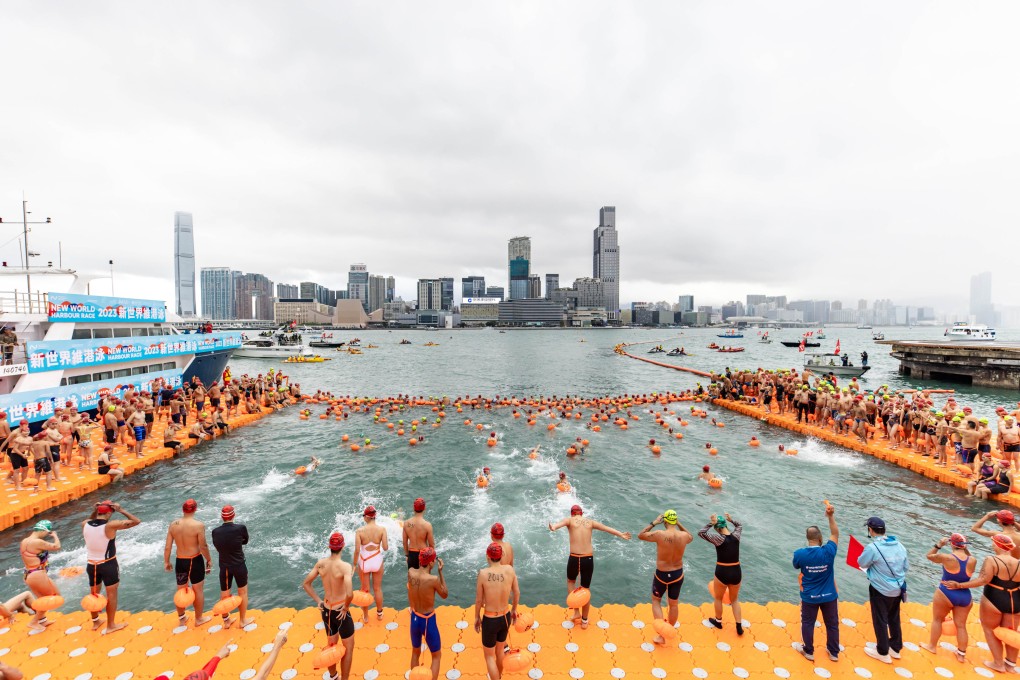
[876,523]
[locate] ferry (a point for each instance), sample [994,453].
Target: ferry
[75,347]
[731,333]
[827,362]
[965,332]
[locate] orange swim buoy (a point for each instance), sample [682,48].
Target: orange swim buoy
[184,597]
[482,482]
[571,451]
[492,442]
[1007,636]
[715,483]
[532,455]
[93,603]
[578,598]
[551,427]
[949,627]
[754,442]
[355,448]
[516,661]
[584,442]
[663,628]
[330,656]
[71,572]
[791,452]
[412,442]
[226,605]
[344,438]
[596,428]
[713,451]
[563,487]
[726,591]
[420,673]
[301,470]
[656,449]
[524,621]
[362,598]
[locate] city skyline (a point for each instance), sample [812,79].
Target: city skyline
[736,143]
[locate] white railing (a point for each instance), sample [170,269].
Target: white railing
[20,302]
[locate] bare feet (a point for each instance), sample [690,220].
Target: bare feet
[998,669]
[228,622]
[248,621]
[114,628]
[584,624]
[659,640]
[36,626]
[929,648]
[202,621]
[97,623]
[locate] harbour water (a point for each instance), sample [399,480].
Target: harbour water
[619,482]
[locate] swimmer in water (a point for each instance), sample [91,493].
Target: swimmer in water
[582,560]
[417,534]
[496,584]
[338,588]
[706,474]
[422,588]
[370,546]
[314,464]
[368,445]
[670,543]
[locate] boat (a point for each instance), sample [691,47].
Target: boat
[827,362]
[765,340]
[656,350]
[325,340]
[676,353]
[315,359]
[713,346]
[962,331]
[878,336]
[75,347]
[796,343]
[350,350]
[863,327]
[405,341]
[730,350]
[432,344]
[271,345]
[731,333]
[820,335]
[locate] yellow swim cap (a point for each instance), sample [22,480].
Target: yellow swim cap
[669,517]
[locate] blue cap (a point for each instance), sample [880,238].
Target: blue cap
[876,523]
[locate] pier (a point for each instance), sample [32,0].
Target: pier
[985,365]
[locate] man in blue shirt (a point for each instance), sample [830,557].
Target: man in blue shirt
[885,561]
[818,588]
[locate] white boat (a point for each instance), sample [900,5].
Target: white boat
[75,347]
[270,348]
[827,362]
[965,332]
[878,336]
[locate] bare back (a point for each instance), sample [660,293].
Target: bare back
[580,530]
[188,534]
[670,544]
[418,533]
[496,584]
[421,590]
[336,579]
[371,536]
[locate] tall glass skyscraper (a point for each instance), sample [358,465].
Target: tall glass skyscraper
[357,285]
[518,266]
[606,260]
[218,292]
[184,264]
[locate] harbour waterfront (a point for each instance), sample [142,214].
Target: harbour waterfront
[618,481]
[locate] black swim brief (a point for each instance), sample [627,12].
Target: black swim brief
[495,629]
[337,622]
[667,582]
[582,565]
[190,570]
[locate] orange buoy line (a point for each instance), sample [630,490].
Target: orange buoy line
[617,645]
[21,506]
[905,458]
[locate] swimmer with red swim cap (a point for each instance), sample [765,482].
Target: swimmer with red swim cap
[370,546]
[582,560]
[193,560]
[338,588]
[417,534]
[496,584]
[100,532]
[706,474]
[422,588]
[496,533]
[1007,523]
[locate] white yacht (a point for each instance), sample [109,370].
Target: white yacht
[272,345]
[69,346]
[965,332]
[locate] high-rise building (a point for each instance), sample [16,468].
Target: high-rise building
[309,290]
[981,299]
[430,294]
[590,292]
[732,308]
[534,286]
[606,260]
[686,303]
[218,292]
[552,282]
[753,300]
[391,289]
[446,298]
[287,291]
[495,292]
[519,266]
[253,297]
[357,284]
[376,292]
[472,287]
[184,264]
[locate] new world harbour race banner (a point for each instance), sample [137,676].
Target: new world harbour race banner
[36,405]
[72,307]
[56,355]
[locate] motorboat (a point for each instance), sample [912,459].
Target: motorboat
[962,331]
[820,335]
[765,339]
[676,353]
[731,333]
[878,336]
[656,350]
[713,346]
[70,346]
[325,340]
[827,362]
[730,350]
[796,343]
[272,345]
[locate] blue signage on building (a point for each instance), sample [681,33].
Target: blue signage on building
[72,307]
[36,405]
[56,355]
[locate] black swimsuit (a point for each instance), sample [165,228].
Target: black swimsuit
[727,561]
[1004,594]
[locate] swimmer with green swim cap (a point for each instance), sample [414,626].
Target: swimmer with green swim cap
[670,543]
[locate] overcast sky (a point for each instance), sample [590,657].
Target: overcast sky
[801,148]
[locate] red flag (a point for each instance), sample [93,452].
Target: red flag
[853,553]
[837,347]
[802,345]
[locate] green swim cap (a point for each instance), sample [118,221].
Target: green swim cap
[43,525]
[368,441]
[669,517]
[720,522]
[939,414]
[983,421]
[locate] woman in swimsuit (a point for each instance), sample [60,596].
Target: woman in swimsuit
[370,545]
[35,554]
[1000,604]
[1001,482]
[727,566]
[984,471]
[958,565]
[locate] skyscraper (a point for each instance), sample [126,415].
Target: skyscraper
[376,292]
[218,292]
[981,299]
[357,284]
[686,303]
[391,288]
[309,290]
[253,297]
[430,294]
[518,266]
[184,264]
[606,260]
[446,300]
[472,287]
[287,291]
[552,282]
[534,286]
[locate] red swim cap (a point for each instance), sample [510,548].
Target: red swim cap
[419,505]
[576,510]
[190,505]
[705,468]
[104,508]
[1005,517]
[1003,542]
[497,530]
[426,557]
[485,470]
[336,541]
[227,513]
[563,475]
[370,511]
[494,552]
